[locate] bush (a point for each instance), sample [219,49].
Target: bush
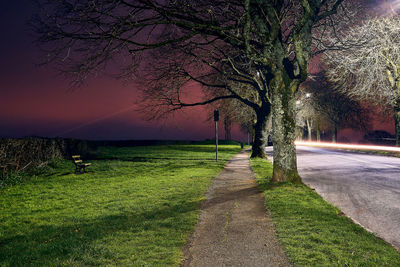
[19,155]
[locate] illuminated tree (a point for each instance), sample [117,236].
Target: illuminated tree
[370,70]
[306,112]
[322,106]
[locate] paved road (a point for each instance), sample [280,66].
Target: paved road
[365,187]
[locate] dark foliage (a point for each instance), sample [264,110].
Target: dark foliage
[380,137]
[19,155]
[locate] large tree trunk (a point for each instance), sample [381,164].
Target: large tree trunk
[334,134]
[396,116]
[318,132]
[284,134]
[258,146]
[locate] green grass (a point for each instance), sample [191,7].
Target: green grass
[375,152]
[135,207]
[313,232]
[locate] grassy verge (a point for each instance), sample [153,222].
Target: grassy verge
[382,153]
[312,230]
[135,207]
[371,152]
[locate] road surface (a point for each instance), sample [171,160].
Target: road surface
[365,187]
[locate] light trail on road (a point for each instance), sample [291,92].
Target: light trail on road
[348,146]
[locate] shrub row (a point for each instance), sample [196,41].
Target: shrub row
[21,154]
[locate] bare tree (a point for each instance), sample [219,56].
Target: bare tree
[310,118]
[224,76]
[310,115]
[275,36]
[324,106]
[306,112]
[370,70]
[242,114]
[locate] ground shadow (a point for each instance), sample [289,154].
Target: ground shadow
[43,244]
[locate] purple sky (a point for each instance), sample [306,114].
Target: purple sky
[36,101]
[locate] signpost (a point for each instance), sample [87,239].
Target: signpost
[216,119]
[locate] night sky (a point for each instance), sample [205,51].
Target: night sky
[37,101]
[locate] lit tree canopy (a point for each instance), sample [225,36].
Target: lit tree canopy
[370,68]
[326,107]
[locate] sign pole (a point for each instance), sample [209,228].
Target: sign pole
[216,119]
[216,140]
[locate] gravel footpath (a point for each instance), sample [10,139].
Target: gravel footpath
[234,228]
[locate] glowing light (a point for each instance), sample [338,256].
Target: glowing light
[349,146]
[394,6]
[390,7]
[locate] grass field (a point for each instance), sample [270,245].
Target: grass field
[313,232]
[135,207]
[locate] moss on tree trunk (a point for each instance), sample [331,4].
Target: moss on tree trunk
[284,122]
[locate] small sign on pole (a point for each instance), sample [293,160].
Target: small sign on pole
[216,119]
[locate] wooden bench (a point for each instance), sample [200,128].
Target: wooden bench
[79,165]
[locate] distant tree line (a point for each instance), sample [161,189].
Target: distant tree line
[321,107]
